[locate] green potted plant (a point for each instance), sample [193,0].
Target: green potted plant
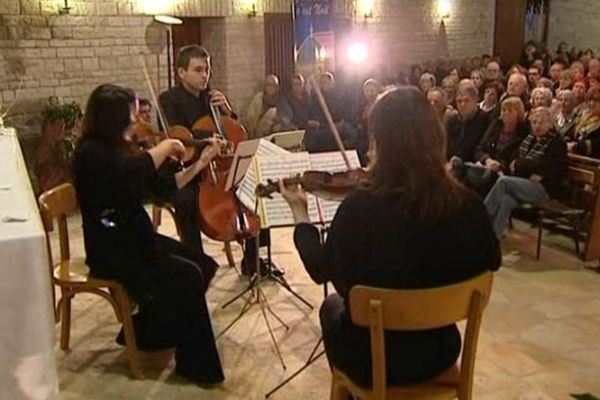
[60,130]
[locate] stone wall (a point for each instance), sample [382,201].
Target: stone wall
[402,32]
[576,22]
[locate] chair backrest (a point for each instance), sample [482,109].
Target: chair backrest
[583,179]
[421,309]
[58,203]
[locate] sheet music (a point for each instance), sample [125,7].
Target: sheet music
[242,158]
[276,211]
[331,162]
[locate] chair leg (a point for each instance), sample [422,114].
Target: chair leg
[156,217]
[338,391]
[575,226]
[130,341]
[65,327]
[539,238]
[229,254]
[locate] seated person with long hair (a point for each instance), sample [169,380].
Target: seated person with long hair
[411,225]
[167,280]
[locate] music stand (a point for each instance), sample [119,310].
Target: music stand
[243,154]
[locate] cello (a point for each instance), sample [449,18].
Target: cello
[222,215]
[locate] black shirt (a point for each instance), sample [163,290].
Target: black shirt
[463,136]
[374,242]
[183,108]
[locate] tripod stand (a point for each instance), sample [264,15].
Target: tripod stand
[257,296]
[314,356]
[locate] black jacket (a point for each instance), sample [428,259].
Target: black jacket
[489,147]
[373,241]
[552,166]
[464,136]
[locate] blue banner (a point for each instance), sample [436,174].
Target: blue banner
[313,31]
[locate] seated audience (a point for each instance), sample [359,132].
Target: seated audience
[299,102]
[371,89]
[269,110]
[426,82]
[437,98]
[586,139]
[493,90]
[535,175]
[500,145]
[566,116]
[465,129]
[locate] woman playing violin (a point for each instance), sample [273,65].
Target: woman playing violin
[411,225]
[165,279]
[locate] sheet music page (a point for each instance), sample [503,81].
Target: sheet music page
[276,211]
[243,158]
[247,185]
[331,162]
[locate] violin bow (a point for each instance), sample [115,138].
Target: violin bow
[161,116]
[330,122]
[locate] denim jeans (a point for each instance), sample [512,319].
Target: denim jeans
[507,194]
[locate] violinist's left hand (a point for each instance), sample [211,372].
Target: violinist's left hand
[218,99]
[296,198]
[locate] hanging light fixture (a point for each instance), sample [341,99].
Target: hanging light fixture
[65,9]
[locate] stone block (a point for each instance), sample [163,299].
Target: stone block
[106,8]
[73,64]
[90,64]
[9,7]
[108,63]
[66,52]
[102,51]
[84,52]
[62,32]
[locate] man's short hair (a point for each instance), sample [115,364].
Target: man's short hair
[467,87]
[144,102]
[186,53]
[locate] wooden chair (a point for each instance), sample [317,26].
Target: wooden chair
[157,220]
[71,274]
[421,309]
[579,201]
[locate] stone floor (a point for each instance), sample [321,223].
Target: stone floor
[539,338]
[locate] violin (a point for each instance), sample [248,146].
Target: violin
[329,186]
[326,185]
[145,136]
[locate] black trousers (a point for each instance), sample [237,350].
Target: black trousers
[173,309]
[185,202]
[411,357]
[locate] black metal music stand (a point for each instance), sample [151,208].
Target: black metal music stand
[314,356]
[254,288]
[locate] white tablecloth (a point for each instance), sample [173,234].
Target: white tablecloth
[27,364]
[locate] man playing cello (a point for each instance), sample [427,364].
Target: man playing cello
[184,105]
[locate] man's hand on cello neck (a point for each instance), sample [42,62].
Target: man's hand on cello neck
[218,99]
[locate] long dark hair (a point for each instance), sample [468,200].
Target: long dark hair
[107,115]
[410,155]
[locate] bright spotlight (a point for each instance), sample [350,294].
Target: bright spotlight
[357,53]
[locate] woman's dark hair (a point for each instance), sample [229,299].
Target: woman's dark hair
[107,114]
[494,84]
[410,155]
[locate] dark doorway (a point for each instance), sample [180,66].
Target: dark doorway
[187,33]
[509,31]
[518,21]
[279,48]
